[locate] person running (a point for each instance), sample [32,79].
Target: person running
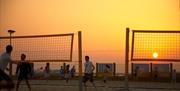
[106,73]
[47,71]
[73,71]
[5,81]
[23,71]
[89,68]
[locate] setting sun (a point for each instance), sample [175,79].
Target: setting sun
[155,54]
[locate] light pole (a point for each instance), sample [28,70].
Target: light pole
[127,60]
[10,35]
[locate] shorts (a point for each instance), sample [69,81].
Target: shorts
[67,75]
[155,76]
[174,78]
[46,75]
[22,77]
[4,76]
[88,76]
[105,77]
[62,75]
[5,81]
[72,75]
[135,75]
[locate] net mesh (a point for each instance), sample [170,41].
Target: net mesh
[156,45]
[40,48]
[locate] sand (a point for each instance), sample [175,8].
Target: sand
[60,85]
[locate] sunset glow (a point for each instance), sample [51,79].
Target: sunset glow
[102,22]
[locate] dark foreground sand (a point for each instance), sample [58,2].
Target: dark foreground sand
[60,85]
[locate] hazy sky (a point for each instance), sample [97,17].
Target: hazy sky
[102,22]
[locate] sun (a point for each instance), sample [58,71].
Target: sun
[155,55]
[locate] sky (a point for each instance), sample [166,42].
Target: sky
[102,22]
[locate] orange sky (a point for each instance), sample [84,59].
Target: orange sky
[102,22]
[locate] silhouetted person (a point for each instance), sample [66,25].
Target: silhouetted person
[106,73]
[5,80]
[23,71]
[155,72]
[47,71]
[136,71]
[61,71]
[67,73]
[73,71]
[174,76]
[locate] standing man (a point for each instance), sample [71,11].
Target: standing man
[23,70]
[89,68]
[5,80]
[106,73]
[47,71]
[173,76]
[136,72]
[73,71]
[61,72]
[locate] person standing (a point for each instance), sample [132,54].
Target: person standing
[136,73]
[5,80]
[106,73]
[155,73]
[89,68]
[47,71]
[67,73]
[23,71]
[61,71]
[73,71]
[174,76]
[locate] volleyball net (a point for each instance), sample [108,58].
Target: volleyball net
[41,48]
[155,45]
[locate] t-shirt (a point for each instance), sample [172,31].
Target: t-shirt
[88,67]
[106,70]
[23,68]
[61,71]
[4,60]
[73,70]
[47,70]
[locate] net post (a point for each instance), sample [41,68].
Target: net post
[97,69]
[72,41]
[114,69]
[132,47]
[127,59]
[10,65]
[151,71]
[132,70]
[80,59]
